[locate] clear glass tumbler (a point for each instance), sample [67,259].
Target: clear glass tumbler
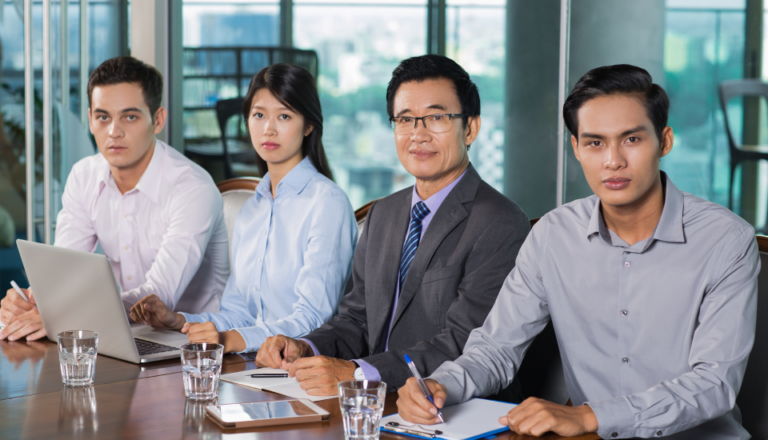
[362,403]
[201,365]
[77,356]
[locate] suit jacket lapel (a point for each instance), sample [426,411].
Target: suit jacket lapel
[447,217]
[393,229]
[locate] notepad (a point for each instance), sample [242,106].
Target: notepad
[474,419]
[287,386]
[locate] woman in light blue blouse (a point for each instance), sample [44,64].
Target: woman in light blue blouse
[294,239]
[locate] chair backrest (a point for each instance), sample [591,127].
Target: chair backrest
[226,109]
[739,87]
[753,397]
[235,192]
[360,214]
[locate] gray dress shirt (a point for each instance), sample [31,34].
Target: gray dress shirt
[654,337]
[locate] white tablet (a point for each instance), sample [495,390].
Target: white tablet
[253,414]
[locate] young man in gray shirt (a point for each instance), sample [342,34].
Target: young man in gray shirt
[652,291]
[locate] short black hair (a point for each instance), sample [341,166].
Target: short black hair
[130,70]
[620,79]
[428,67]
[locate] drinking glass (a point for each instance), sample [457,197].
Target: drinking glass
[77,356]
[362,403]
[201,365]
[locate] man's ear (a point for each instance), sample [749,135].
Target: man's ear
[90,124]
[667,140]
[159,122]
[575,145]
[472,129]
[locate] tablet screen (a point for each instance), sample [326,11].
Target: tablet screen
[244,412]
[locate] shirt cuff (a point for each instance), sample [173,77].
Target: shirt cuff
[369,371]
[311,345]
[615,418]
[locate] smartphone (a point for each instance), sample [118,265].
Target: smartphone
[253,414]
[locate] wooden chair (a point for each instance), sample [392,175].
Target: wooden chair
[235,192]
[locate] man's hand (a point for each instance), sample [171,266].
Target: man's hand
[537,417]
[320,375]
[13,305]
[279,351]
[414,407]
[152,311]
[27,324]
[207,332]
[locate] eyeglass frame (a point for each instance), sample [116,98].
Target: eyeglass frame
[423,120]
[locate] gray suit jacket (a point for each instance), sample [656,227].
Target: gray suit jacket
[464,256]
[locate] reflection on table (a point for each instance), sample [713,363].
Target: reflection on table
[136,401]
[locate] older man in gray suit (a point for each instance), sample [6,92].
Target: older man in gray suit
[431,259]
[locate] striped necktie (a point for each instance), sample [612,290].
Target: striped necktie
[418,213]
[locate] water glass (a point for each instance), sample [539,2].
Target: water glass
[362,403]
[201,365]
[77,356]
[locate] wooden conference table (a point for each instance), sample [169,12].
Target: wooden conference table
[135,401]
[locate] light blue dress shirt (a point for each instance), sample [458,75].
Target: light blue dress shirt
[291,257]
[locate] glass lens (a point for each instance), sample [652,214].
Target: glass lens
[438,123]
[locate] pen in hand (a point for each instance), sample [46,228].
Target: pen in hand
[269,374]
[423,386]
[19,291]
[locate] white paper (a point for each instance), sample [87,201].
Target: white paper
[287,386]
[467,420]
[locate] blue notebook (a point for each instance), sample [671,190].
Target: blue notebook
[471,420]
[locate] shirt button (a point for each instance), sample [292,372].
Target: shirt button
[624,312]
[626,264]
[659,433]
[265,233]
[125,247]
[258,260]
[614,434]
[125,215]
[129,278]
[254,288]
[625,360]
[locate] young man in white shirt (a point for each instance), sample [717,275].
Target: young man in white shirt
[157,215]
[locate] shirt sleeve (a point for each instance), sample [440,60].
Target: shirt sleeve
[495,350]
[74,228]
[321,281]
[369,371]
[233,311]
[718,357]
[194,213]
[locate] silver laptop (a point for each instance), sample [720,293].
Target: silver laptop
[77,290]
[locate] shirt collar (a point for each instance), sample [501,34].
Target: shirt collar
[296,179]
[149,182]
[434,202]
[670,226]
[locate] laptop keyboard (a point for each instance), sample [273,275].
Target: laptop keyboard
[148,347]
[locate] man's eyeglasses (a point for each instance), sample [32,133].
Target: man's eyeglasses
[439,123]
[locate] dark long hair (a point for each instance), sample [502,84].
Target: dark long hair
[295,88]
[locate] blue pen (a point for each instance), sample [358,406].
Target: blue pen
[423,386]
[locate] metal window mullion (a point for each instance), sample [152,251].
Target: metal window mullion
[47,110]
[64,43]
[84,62]
[286,23]
[29,119]
[436,27]
[565,10]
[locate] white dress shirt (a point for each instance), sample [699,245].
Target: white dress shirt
[166,236]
